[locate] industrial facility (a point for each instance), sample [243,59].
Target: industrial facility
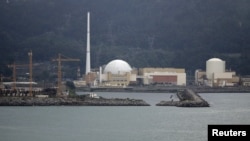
[118,73]
[216,74]
[166,76]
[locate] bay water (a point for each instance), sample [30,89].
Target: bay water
[123,123]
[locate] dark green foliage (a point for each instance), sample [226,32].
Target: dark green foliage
[146,33]
[70,87]
[49,91]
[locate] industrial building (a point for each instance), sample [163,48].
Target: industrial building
[166,76]
[216,74]
[117,73]
[245,80]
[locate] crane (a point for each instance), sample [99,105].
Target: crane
[14,65]
[59,73]
[1,81]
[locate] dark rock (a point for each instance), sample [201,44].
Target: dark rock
[188,98]
[34,101]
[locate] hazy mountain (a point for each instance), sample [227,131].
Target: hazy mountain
[145,33]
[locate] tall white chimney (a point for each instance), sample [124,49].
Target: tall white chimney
[88,45]
[100,75]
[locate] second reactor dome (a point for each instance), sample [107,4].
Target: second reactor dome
[215,65]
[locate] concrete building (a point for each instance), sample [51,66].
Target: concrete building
[117,73]
[245,80]
[216,74]
[167,76]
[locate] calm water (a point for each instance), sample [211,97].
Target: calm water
[71,123]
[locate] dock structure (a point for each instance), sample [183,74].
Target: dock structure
[187,98]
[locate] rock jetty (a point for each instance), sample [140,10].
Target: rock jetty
[187,98]
[76,101]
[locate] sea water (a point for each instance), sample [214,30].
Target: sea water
[123,123]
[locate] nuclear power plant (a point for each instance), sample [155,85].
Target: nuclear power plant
[118,73]
[216,74]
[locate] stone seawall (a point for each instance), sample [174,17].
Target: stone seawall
[33,101]
[187,98]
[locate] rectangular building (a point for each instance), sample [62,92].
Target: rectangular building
[167,76]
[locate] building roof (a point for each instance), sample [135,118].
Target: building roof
[117,67]
[215,59]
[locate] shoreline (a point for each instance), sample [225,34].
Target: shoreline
[188,97]
[168,89]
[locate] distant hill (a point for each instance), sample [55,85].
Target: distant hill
[145,33]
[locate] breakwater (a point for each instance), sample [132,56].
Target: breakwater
[79,101]
[187,98]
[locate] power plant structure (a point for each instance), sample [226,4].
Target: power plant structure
[118,73]
[216,74]
[163,76]
[88,66]
[215,66]
[89,76]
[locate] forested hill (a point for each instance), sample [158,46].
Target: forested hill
[145,33]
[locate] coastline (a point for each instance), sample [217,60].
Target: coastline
[192,98]
[167,89]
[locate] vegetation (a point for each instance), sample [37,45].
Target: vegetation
[71,88]
[145,33]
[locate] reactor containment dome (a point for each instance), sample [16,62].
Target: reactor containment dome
[117,67]
[214,65]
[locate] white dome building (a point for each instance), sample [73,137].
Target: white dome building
[117,67]
[117,73]
[215,66]
[216,74]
